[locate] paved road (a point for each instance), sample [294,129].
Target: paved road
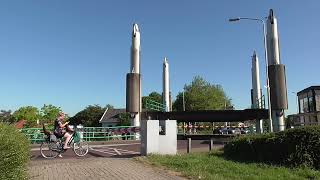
[124,149]
[96,168]
[105,160]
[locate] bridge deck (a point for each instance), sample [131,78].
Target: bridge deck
[208,116]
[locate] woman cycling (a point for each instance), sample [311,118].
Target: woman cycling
[59,129]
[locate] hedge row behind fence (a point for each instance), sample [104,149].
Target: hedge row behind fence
[293,147]
[14,153]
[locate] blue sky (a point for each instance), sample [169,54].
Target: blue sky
[76,53]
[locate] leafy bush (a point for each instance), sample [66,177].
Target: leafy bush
[14,153]
[293,147]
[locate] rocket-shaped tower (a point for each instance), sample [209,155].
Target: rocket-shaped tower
[277,77]
[256,90]
[133,94]
[166,85]
[165,94]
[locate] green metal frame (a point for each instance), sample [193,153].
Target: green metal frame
[154,105]
[35,135]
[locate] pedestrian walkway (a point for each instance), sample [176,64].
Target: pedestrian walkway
[95,168]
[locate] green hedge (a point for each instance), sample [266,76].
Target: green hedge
[293,147]
[14,153]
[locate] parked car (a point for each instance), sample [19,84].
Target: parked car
[227,131]
[217,131]
[245,131]
[230,131]
[236,131]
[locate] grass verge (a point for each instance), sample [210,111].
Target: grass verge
[213,166]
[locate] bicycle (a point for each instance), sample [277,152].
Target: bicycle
[52,146]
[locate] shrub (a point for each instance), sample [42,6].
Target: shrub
[293,147]
[14,153]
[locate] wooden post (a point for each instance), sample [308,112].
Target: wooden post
[189,146]
[211,144]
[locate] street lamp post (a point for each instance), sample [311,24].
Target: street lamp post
[297,101]
[184,109]
[266,61]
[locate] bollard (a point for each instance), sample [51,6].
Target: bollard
[211,145]
[189,146]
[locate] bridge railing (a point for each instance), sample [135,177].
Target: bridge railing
[209,130]
[261,103]
[154,105]
[35,135]
[110,133]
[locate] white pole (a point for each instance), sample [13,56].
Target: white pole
[267,75]
[166,85]
[184,109]
[256,94]
[166,94]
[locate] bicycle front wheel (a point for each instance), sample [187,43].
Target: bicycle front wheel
[80,148]
[49,150]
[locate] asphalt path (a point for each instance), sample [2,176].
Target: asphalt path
[122,149]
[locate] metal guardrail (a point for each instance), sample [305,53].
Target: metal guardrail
[211,138]
[35,135]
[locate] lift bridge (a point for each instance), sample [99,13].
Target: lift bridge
[208,115]
[156,110]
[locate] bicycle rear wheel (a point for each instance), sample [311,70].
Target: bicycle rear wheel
[49,150]
[80,148]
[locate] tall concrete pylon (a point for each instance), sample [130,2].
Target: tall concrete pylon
[277,76]
[256,90]
[166,85]
[133,94]
[165,93]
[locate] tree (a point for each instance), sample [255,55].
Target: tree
[29,113]
[49,113]
[90,116]
[125,119]
[109,106]
[201,95]
[6,117]
[155,96]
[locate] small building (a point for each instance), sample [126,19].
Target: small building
[110,117]
[20,124]
[309,107]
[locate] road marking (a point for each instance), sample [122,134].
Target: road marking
[128,152]
[116,151]
[110,145]
[103,151]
